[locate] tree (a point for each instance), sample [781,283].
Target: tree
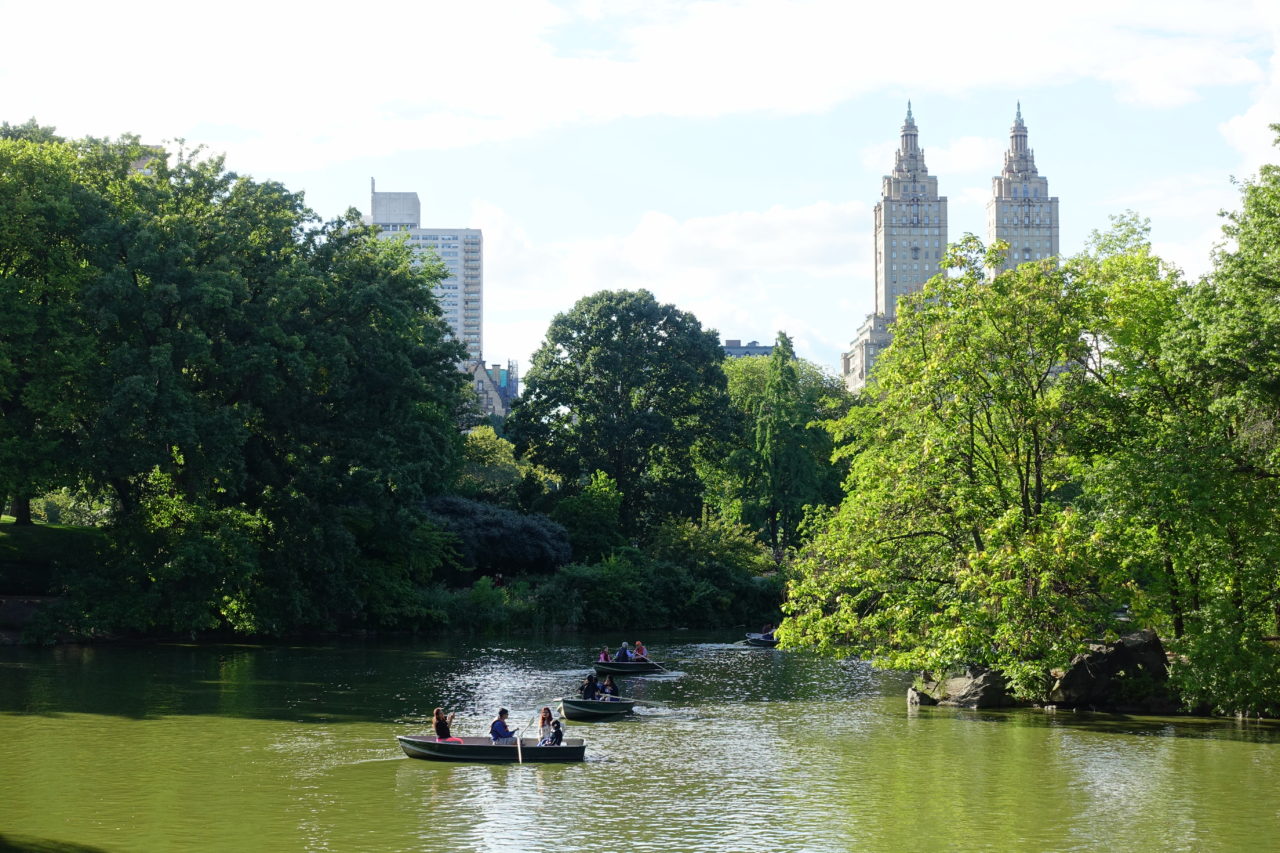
[787,455]
[47,257]
[270,399]
[631,387]
[957,542]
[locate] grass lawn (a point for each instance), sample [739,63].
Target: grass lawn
[31,556]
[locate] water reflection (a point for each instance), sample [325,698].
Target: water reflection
[286,748]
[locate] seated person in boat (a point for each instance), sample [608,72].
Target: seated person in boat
[441,724]
[604,656]
[556,736]
[545,719]
[640,652]
[608,690]
[624,653]
[499,733]
[589,689]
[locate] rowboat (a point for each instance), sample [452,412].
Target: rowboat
[594,709]
[482,749]
[766,641]
[630,667]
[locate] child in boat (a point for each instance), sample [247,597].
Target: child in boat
[604,655]
[556,736]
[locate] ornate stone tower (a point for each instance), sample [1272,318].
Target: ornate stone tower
[910,238]
[1021,211]
[911,224]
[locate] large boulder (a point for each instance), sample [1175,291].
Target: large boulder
[1130,675]
[974,687]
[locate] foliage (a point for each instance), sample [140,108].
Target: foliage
[780,461]
[953,544]
[593,518]
[491,539]
[491,472]
[631,387]
[267,399]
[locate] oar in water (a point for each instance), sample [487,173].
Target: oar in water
[519,751]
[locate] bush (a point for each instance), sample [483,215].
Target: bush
[491,539]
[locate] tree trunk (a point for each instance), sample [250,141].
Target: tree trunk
[22,510]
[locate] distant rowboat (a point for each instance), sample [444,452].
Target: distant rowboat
[483,749]
[766,641]
[594,709]
[630,667]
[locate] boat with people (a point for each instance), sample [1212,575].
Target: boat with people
[764,641]
[629,667]
[483,749]
[572,708]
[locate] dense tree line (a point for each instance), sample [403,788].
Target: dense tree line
[1060,454]
[264,399]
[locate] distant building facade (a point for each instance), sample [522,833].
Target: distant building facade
[1021,212]
[911,233]
[461,295]
[910,238]
[496,387]
[735,348]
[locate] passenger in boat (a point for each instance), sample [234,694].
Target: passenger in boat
[641,653]
[609,690]
[545,719]
[441,724]
[498,731]
[556,736]
[590,689]
[604,655]
[624,653]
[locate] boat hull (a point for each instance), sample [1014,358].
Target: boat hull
[626,667]
[760,641]
[592,709]
[481,749]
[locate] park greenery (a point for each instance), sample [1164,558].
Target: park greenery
[221,414]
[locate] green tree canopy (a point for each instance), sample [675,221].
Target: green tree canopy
[625,385]
[779,461]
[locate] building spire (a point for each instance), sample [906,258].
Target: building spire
[1019,159]
[910,137]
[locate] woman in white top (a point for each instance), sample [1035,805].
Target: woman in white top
[544,724]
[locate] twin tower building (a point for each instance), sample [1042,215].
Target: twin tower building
[911,232]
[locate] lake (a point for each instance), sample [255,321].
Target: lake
[175,747]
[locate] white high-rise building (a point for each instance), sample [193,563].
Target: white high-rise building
[461,295]
[1021,211]
[910,239]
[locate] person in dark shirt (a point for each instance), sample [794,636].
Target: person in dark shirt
[498,731]
[556,736]
[608,690]
[624,653]
[441,724]
[589,689]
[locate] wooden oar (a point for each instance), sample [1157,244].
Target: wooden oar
[519,751]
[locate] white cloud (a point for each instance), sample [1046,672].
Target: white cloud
[805,270]
[316,83]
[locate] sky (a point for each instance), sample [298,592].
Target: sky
[726,155]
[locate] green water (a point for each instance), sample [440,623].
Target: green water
[280,748]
